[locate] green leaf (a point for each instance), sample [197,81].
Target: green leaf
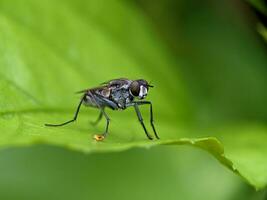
[51,49]
[42,169]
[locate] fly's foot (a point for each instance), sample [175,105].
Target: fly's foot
[99,137]
[149,137]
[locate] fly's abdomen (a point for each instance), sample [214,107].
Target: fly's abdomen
[90,101]
[96,100]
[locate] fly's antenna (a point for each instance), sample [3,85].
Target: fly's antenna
[74,118]
[149,84]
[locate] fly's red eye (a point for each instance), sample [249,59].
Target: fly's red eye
[135,88]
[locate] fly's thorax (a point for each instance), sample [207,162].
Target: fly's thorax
[121,97]
[89,100]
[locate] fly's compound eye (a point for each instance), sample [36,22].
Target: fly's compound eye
[135,88]
[139,90]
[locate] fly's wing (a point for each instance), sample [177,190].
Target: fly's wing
[110,84]
[89,89]
[99,97]
[104,102]
[117,82]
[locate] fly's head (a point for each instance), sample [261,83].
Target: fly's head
[139,88]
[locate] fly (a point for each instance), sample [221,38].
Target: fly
[116,94]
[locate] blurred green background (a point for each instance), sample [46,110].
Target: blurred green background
[223,65]
[158,173]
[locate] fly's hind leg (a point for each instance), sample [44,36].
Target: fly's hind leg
[74,118]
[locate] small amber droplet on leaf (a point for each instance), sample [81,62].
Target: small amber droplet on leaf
[99,137]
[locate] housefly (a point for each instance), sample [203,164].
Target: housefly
[116,94]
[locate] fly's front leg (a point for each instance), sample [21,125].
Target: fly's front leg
[102,136]
[141,120]
[151,115]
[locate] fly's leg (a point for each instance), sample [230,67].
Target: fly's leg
[141,120]
[107,124]
[152,121]
[72,120]
[98,119]
[102,136]
[151,116]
